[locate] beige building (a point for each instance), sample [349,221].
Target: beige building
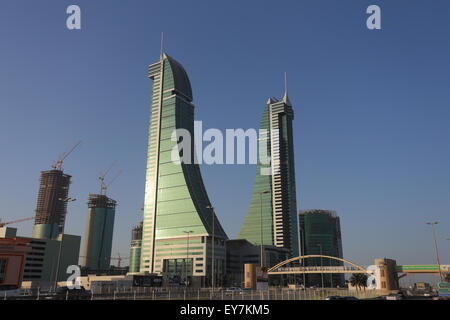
[386,274]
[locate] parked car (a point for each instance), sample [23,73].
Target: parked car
[441,298]
[233,290]
[62,293]
[394,296]
[341,298]
[13,291]
[10,293]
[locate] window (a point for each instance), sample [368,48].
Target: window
[2,269]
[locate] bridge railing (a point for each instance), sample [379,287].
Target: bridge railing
[336,269]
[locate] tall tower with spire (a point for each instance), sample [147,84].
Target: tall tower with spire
[272,216]
[179,221]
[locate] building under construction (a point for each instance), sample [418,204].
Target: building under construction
[52,200]
[51,204]
[99,232]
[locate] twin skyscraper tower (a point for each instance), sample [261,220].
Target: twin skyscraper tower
[182,235]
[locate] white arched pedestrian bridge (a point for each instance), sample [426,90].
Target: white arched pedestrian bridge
[294,266]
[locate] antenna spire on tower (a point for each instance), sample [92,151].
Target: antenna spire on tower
[285,97]
[285,81]
[162,44]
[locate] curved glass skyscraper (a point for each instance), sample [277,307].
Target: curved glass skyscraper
[272,216]
[178,216]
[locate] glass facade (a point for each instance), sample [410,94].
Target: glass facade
[99,232]
[135,250]
[320,232]
[135,257]
[272,216]
[178,216]
[178,267]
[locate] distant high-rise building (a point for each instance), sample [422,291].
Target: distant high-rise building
[272,215]
[320,233]
[99,232]
[51,204]
[178,216]
[135,250]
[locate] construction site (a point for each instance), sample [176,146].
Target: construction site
[42,259]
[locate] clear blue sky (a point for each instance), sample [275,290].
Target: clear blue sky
[371,107]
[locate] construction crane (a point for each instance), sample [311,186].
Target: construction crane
[103,186]
[119,259]
[102,177]
[59,162]
[2,224]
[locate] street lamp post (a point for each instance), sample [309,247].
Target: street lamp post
[321,264]
[261,228]
[187,255]
[303,260]
[58,261]
[213,246]
[432,224]
[171,258]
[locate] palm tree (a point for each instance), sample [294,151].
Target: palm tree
[447,277]
[359,280]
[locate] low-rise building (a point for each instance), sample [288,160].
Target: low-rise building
[12,262]
[241,252]
[40,265]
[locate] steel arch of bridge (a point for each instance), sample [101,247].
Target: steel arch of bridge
[358,268]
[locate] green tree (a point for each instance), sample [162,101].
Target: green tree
[359,280]
[447,277]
